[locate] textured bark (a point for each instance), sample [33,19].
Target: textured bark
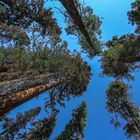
[11,101]
[7,82]
[73,12]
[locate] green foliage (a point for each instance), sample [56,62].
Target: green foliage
[92,24]
[74,130]
[134,15]
[121,57]
[123,54]
[116,95]
[75,75]
[11,127]
[41,129]
[19,57]
[119,104]
[31,46]
[23,16]
[10,32]
[37,130]
[82,22]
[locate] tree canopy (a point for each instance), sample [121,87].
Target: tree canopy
[119,104]
[122,55]
[74,129]
[120,58]
[35,58]
[83,23]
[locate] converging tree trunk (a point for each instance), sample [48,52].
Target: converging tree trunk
[73,12]
[13,100]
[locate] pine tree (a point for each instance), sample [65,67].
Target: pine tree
[23,13]
[74,130]
[123,54]
[42,129]
[82,22]
[11,127]
[119,104]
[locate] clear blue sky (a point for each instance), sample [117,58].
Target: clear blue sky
[115,22]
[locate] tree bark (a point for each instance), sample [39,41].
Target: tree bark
[11,101]
[73,12]
[7,82]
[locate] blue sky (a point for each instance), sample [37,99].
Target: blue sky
[115,22]
[114,13]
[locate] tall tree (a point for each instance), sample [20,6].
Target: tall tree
[42,129]
[11,127]
[122,56]
[82,22]
[74,130]
[120,59]
[23,13]
[123,53]
[70,76]
[119,104]
[31,127]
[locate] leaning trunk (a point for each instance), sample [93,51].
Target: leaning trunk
[11,101]
[77,19]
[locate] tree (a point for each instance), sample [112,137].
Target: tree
[19,57]
[37,129]
[122,56]
[15,33]
[11,127]
[82,22]
[120,59]
[24,13]
[119,104]
[75,75]
[15,98]
[134,15]
[69,75]
[74,129]
[42,129]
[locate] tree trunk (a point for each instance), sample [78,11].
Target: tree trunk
[8,82]
[11,101]
[76,17]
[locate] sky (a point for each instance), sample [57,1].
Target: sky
[115,22]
